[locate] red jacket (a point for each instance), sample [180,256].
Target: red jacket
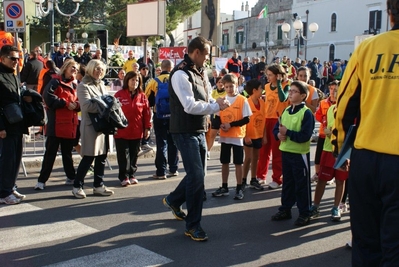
[57,95]
[137,112]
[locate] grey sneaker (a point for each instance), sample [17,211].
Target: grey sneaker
[255,184]
[10,200]
[40,186]
[78,192]
[239,195]
[102,191]
[221,192]
[314,212]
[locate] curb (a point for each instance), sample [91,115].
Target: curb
[35,161]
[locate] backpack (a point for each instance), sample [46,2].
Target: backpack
[162,100]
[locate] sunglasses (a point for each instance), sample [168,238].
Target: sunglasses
[80,49]
[62,48]
[13,58]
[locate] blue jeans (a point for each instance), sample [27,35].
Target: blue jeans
[166,149]
[192,147]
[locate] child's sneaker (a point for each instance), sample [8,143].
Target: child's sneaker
[335,214]
[314,212]
[221,192]
[282,215]
[255,184]
[343,207]
[125,182]
[239,195]
[314,178]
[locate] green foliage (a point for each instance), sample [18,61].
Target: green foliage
[110,15]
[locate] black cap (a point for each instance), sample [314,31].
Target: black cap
[57,44]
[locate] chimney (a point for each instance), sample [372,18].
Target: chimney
[242,6]
[246,6]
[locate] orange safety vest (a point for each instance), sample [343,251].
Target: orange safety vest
[233,113]
[274,107]
[256,125]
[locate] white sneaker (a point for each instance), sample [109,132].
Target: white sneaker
[274,185]
[176,173]
[314,178]
[102,191]
[125,182]
[144,149]
[10,200]
[40,186]
[343,207]
[133,180]
[18,195]
[78,192]
[331,181]
[261,181]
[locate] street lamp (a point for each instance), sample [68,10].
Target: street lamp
[50,10]
[298,26]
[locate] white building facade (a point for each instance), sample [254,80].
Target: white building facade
[340,21]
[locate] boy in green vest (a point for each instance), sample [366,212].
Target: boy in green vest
[294,129]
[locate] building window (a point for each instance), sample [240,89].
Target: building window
[334,22]
[225,40]
[239,37]
[331,52]
[375,21]
[279,33]
[267,36]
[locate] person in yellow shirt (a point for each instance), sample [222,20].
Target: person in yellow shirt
[128,66]
[368,95]
[214,128]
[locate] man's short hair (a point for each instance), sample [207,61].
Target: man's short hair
[86,45]
[7,49]
[198,42]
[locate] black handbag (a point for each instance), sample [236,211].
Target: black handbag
[13,113]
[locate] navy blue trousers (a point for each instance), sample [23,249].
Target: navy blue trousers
[373,187]
[296,182]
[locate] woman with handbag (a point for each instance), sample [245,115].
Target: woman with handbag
[62,112]
[94,145]
[127,141]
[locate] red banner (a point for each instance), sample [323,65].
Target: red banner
[172,52]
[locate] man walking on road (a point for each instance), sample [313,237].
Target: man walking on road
[368,94]
[190,104]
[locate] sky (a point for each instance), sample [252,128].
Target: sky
[227,6]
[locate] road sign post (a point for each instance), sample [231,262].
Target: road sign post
[14,16]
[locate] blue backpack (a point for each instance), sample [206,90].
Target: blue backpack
[162,107]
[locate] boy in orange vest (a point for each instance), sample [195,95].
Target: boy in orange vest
[232,124]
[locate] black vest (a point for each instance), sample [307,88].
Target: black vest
[180,121]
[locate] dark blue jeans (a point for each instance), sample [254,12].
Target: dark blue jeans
[10,159]
[167,152]
[192,147]
[84,166]
[296,183]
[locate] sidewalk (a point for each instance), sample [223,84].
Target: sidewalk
[34,151]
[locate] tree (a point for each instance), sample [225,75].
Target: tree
[177,11]
[111,15]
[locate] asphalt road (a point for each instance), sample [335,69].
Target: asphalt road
[133,228]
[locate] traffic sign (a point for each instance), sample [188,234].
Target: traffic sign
[14,15]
